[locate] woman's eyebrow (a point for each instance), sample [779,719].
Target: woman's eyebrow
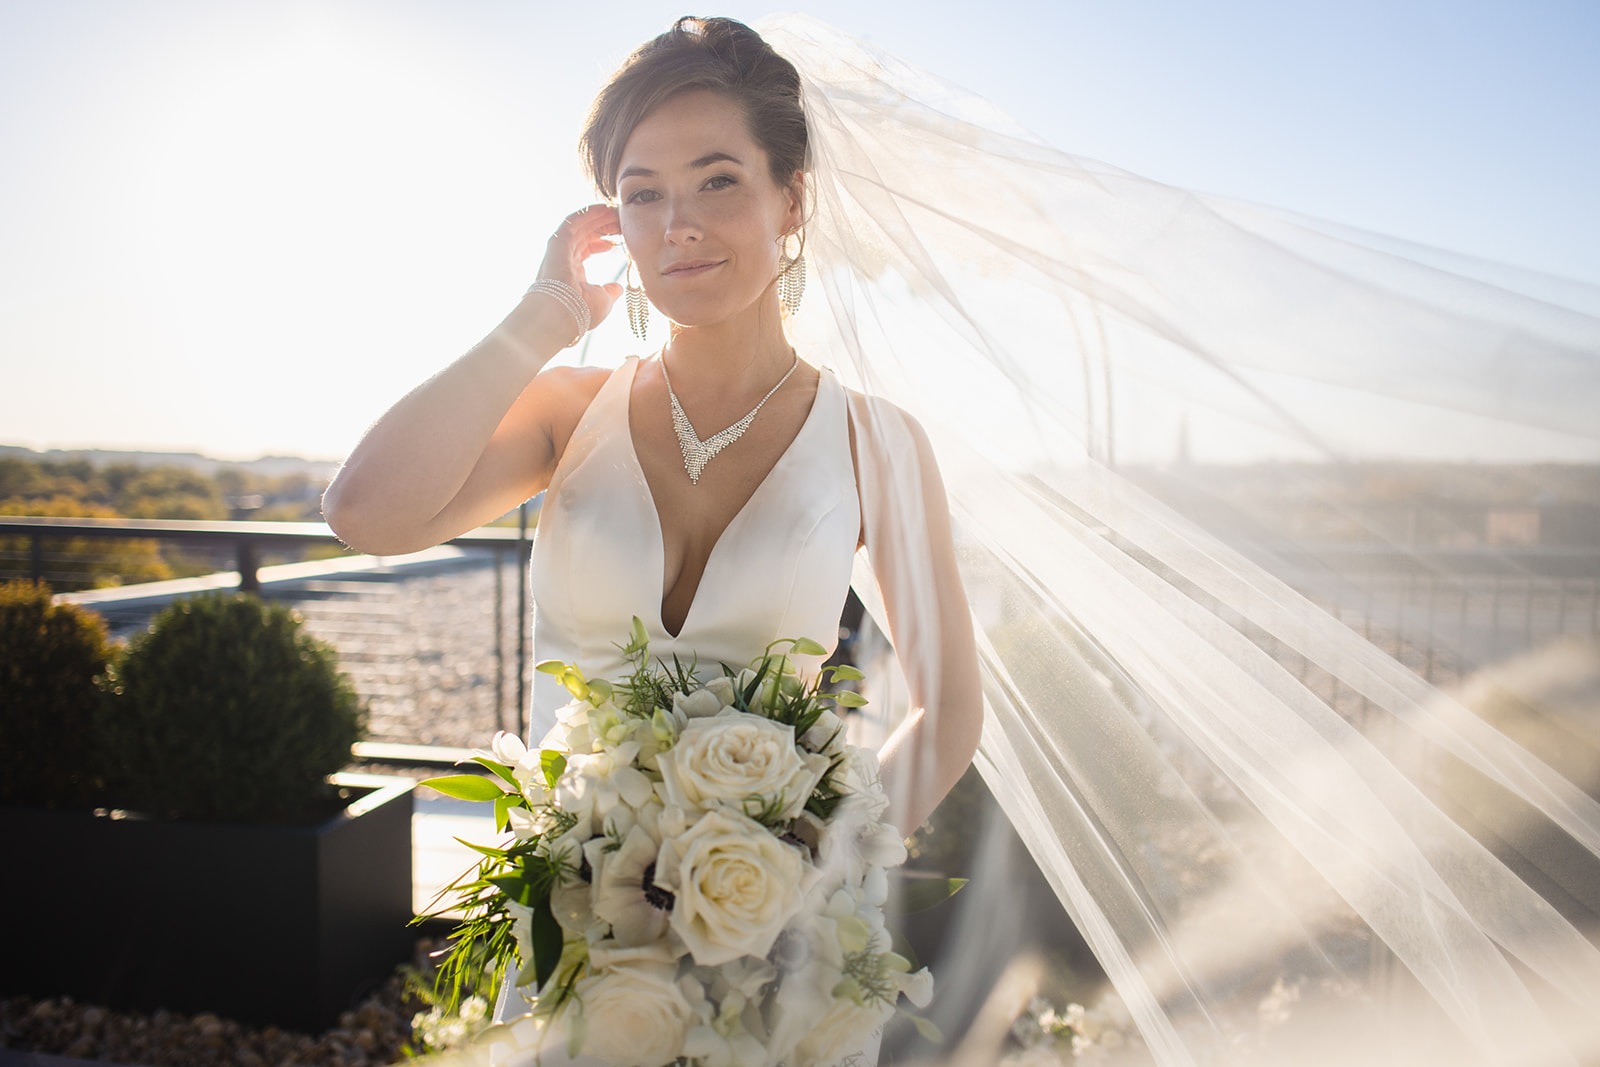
[702,162]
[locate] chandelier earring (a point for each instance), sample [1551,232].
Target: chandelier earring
[791,271]
[638,306]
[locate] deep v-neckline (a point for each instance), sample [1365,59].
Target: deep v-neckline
[716,544]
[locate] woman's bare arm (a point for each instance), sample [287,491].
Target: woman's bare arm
[483,434]
[906,522]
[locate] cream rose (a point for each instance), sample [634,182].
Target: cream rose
[735,886]
[635,1015]
[742,761]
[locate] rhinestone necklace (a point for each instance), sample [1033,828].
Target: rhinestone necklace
[697,453]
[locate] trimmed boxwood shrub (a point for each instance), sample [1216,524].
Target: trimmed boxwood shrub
[225,710]
[52,660]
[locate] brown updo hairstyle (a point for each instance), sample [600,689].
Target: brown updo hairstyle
[717,54]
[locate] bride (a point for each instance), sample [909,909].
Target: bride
[720,489]
[1222,835]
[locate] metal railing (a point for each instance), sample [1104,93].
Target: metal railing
[245,538]
[248,541]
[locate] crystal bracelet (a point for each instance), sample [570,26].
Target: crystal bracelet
[567,297]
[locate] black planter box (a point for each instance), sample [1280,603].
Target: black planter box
[264,924]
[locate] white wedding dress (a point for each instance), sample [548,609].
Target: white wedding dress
[781,569]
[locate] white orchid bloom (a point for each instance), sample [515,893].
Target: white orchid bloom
[826,736]
[593,784]
[710,1046]
[608,726]
[506,748]
[810,964]
[723,1040]
[917,987]
[526,824]
[656,735]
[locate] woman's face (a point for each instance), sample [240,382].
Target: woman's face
[701,215]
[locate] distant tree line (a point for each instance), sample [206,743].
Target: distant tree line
[76,488]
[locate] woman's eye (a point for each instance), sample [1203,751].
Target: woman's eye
[641,196]
[721,181]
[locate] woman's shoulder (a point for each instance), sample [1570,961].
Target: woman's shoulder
[563,395]
[572,384]
[883,427]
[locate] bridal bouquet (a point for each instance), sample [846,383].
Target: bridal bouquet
[698,872]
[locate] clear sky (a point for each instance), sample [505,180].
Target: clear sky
[246,228]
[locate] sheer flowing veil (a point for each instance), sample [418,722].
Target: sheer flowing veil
[1230,789]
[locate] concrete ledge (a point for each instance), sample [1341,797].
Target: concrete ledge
[414,755]
[282,575]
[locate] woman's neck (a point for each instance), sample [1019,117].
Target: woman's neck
[744,354]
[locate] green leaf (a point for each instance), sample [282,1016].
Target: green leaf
[465,787]
[923,893]
[846,673]
[846,699]
[901,947]
[502,809]
[500,770]
[577,1031]
[546,941]
[516,887]
[928,1031]
[639,638]
[553,764]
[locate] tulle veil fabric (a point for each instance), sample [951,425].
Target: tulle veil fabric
[1213,825]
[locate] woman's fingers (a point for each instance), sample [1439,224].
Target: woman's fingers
[596,220]
[583,233]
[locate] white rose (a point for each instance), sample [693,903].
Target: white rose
[635,1015]
[736,887]
[742,761]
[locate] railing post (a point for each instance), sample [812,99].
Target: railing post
[502,720]
[522,620]
[249,581]
[36,558]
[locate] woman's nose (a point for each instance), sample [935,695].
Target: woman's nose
[683,223]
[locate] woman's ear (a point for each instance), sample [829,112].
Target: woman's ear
[796,215]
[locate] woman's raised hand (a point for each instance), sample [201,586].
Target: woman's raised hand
[585,232]
[477,438]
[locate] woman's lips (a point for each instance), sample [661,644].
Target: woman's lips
[691,268]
